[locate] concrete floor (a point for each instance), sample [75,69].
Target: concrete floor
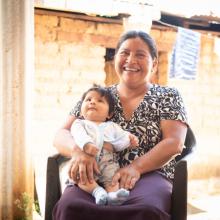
[204,199]
[206,208]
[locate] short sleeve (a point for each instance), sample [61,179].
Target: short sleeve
[172,106]
[76,109]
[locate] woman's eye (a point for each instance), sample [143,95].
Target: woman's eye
[124,53]
[140,55]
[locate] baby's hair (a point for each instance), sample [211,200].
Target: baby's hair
[104,92]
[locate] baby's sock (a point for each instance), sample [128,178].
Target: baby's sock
[100,195]
[69,182]
[118,197]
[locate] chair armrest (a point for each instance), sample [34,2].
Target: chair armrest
[53,188]
[179,193]
[189,143]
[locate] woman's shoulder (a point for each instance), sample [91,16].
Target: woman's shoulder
[160,90]
[112,88]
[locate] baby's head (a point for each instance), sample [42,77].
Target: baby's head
[97,104]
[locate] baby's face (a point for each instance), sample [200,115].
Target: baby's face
[95,107]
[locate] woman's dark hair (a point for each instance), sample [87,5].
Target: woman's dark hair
[104,92]
[144,36]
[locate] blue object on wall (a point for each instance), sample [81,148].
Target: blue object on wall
[185,54]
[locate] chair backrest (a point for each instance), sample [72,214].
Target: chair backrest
[190,143]
[179,191]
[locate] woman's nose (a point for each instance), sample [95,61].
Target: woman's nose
[131,58]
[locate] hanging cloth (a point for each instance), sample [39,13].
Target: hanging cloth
[185,54]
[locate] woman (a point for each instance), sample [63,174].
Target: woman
[154,114]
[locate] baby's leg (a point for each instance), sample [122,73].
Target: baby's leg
[116,196]
[110,166]
[97,191]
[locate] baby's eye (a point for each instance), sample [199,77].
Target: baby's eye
[100,100]
[88,99]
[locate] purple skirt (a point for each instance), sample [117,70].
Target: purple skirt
[149,200]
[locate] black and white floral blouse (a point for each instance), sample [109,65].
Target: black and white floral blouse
[159,103]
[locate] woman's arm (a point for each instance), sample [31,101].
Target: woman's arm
[63,140]
[81,164]
[172,143]
[173,137]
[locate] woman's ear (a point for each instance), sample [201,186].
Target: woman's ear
[154,67]
[153,70]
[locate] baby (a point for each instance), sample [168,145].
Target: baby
[101,138]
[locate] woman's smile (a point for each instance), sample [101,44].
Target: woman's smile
[131,69]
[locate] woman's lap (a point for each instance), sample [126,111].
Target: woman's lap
[150,199]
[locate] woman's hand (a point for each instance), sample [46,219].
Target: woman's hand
[82,167]
[126,176]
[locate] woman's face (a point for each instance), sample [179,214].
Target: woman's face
[133,62]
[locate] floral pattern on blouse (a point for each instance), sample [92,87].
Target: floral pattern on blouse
[159,103]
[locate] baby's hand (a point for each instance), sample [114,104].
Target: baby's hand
[91,149]
[133,140]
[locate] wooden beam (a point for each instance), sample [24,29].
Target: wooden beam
[16,70]
[79,16]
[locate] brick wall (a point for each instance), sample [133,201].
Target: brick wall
[69,57]
[202,95]
[202,99]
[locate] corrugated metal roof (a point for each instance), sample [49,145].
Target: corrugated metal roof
[103,8]
[197,22]
[209,18]
[190,8]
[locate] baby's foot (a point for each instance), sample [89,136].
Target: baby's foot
[118,197]
[100,195]
[69,182]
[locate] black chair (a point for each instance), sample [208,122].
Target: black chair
[179,193]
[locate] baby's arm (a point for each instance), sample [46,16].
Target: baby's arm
[91,149]
[133,140]
[123,139]
[82,139]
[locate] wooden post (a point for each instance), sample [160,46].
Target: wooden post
[16,73]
